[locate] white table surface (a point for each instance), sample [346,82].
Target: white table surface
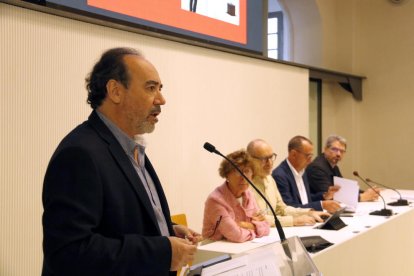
[368,245]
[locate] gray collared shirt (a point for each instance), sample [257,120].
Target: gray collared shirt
[129,146]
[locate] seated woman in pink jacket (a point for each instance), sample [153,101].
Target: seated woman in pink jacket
[230,211]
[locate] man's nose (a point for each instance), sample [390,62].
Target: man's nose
[159,99]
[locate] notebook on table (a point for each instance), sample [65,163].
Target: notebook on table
[334,222]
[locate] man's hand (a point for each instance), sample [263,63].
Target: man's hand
[303,220]
[182,252]
[331,206]
[331,191]
[319,216]
[184,232]
[370,194]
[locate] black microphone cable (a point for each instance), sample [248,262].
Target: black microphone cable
[383,212]
[399,202]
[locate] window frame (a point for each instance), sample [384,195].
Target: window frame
[279,16]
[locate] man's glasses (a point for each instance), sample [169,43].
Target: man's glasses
[266,158]
[337,150]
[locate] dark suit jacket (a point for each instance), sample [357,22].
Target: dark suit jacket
[286,184]
[320,174]
[98,219]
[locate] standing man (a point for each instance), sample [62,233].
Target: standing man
[322,170]
[263,158]
[293,183]
[105,212]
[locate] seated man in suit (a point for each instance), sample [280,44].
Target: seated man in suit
[263,158]
[293,183]
[323,168]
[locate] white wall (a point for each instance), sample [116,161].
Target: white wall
[385,53]
[305,37]
[211,96]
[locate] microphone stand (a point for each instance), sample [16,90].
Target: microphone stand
[399,202]
[209,147]
[383,212]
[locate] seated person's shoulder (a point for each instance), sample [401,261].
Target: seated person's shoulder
[278,171]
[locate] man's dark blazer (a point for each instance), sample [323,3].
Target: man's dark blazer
[320,174]
[98,219]
[286,184]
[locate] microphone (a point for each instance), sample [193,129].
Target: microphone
[209,147]
[382,212]
[399,202]
[212,149]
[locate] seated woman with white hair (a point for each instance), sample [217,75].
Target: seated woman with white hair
[230,211]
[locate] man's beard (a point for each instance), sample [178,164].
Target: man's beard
[146,127]
[334,162]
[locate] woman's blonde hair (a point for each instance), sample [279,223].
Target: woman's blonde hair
[240,158]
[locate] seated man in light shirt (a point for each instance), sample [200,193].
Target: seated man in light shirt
[293,184]
[263,158]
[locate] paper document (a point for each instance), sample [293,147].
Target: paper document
[348,194]
[267,239]
[224,246]
[262,262]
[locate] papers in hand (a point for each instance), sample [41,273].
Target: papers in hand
[348,194]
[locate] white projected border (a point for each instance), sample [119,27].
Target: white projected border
[217,9]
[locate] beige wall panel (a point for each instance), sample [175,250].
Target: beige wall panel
[211,96]
[339,117]
[372,38]
[385,52]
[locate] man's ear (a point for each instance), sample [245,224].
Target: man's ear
[114,91]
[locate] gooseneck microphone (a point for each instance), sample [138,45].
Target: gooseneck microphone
[399,202]
[383,212]
[283,241]
[209,147]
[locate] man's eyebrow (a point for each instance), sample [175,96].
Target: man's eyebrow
[156,83]
[153,82]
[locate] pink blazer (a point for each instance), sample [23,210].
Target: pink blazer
[222,212]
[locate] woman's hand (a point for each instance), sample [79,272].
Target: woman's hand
[246,225]
[259,216]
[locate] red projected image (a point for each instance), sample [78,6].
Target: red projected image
[224,10]
[225,19]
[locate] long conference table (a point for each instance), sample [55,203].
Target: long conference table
[368,245]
